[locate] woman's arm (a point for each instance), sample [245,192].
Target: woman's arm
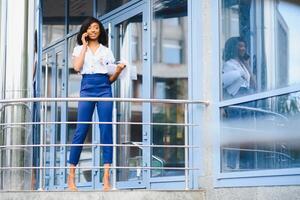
[79,60]
[230,77]
[117,72]
[230,74]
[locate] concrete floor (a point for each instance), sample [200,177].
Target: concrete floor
[113,195]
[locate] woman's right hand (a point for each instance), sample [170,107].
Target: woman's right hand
[83,39]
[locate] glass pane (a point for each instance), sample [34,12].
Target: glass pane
[53,21]
[105,6]
[256,59]
[262,134]
[48,78]
[170,81]
[43,78]
[129,47]
[48,89]
[74,80]
[78,11]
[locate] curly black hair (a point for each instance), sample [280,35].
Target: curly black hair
[102,39]
[230,50]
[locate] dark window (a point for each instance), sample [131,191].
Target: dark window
[53,20]
[105,6]
[78,11]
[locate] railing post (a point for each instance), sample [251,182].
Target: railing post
[114,164]
[186,150]
[41,177]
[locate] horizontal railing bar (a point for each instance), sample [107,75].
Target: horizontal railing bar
[15,104]
[94,122]
[258,150]
[75,99]
[101,167]
[91,145]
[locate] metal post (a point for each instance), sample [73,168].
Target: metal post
[114,181]
[15,70]
[186,150]
[41,178]
[2,78]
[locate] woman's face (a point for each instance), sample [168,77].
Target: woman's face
[241,49]
[93,31]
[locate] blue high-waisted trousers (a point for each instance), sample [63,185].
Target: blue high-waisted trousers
[93,85]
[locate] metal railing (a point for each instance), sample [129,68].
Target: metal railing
[114,167]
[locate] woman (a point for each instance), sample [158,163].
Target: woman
[91,58]
[237,78]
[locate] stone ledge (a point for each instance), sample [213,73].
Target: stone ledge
[112,195]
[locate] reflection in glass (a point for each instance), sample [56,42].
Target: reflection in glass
[170,81]
[237,77]
[262,134]
[271,38]
[74,79]
[105,6]
[53,20]
[78,11]
[129,47]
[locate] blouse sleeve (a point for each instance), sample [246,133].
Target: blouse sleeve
[229,75]
[111,56]
[109,62]
[76,51]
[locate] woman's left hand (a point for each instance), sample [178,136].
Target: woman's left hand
[120,67]
[117,72]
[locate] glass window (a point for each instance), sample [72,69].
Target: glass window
[262,134]
[259,41]
[105,6]
[171,52]
[170,81]
[78,11]
[53,20]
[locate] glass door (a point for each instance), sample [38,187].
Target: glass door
[127,44]
[52,70]
[169,81]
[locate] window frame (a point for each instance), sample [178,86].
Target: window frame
[265,177]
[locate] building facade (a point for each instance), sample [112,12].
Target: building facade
[233,63]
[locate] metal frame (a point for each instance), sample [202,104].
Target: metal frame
[266,177]
[116,19]
[194,69]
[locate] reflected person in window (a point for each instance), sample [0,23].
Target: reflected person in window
[237,77]
[91,58]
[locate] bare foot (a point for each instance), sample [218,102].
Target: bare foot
[106,182]
[71,183]
[106,178]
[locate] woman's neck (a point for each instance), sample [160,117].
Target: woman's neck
[93,43]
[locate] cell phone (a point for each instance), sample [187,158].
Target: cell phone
[246,56]
[87,38]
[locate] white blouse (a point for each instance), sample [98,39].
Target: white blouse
[235,76]
[97,62]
